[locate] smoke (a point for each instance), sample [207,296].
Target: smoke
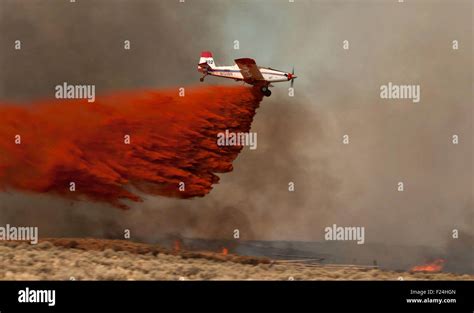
[152,141]
[300,138]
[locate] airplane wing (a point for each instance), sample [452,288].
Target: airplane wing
[249,70]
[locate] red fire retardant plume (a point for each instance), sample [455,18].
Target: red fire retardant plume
[173,139]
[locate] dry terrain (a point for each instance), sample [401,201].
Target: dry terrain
[97,259]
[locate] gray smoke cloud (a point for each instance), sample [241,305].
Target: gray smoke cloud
[299,138]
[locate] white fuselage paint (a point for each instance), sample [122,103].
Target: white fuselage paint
[233,72]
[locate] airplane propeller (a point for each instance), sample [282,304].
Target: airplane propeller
[291,76]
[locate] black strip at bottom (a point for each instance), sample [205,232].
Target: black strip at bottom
[237,296]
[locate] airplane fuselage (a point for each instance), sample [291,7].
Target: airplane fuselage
[234,72]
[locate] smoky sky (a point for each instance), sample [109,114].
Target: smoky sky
[299,138]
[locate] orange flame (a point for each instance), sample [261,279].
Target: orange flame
[225,251]
[177,245]
[433,267]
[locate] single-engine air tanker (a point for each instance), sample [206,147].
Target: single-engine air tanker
[246,70]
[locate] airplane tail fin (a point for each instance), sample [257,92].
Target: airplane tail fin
[206,59]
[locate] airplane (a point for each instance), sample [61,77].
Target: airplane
[245,69]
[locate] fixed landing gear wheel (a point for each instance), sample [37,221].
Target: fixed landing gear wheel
[264,89]
[201,79]
[267,93]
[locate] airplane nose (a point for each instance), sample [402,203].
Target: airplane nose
[291,76]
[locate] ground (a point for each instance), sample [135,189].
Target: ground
[97,259]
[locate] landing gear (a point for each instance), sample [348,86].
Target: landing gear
[265,91]
[201,79]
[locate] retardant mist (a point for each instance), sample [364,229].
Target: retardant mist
[124,144]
